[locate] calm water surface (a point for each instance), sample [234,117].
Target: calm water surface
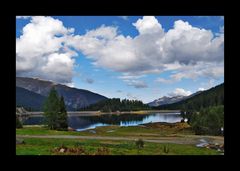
[89,122]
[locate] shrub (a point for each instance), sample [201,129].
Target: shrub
[166,149]
[18,123]
[140,143]
[77,150]
[102,151]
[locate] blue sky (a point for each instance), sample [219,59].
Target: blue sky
[132,57]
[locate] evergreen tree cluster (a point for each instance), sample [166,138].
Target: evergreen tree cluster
[204,111]
[114,119]
[211,97]
[208,120]
[115,104]
[55,111]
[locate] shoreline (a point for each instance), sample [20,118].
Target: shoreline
[98,113]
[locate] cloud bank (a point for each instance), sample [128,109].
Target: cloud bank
[180,92]
[47,49]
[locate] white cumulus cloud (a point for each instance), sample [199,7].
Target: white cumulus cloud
[154,50]
[40,50]
[180,92]
[148,25]
[201,89]
[190,51]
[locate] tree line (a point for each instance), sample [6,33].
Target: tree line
[115,104]
[205,112]
[208,120]
[211,97]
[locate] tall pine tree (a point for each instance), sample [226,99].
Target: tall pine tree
[62,117]
[55,112]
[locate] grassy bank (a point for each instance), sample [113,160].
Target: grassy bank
[176,133]
[97,113]
[37,146]
[154,129]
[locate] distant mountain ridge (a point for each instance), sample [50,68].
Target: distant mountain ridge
[211,97]
[74,98]
[170,100]
[166,100]
[29,99]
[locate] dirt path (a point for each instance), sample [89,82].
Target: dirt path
[176,140]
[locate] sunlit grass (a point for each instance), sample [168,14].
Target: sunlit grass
[37,146]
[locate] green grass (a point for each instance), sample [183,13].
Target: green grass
[37,146]
[117,131]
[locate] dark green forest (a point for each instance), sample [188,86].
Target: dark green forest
[115,104]
[205,111]
[208,120]
[211,97]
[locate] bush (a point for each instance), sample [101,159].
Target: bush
[20,141]
[166,149]
[140,143]
[18,123]
[102,151]
[77,150]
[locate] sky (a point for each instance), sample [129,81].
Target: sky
[133,57]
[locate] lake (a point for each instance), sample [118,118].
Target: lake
[81,123]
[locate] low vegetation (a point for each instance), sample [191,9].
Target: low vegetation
[18,123]
[136,145]
[38,146]
[147,130]
[140,143]
[166,148]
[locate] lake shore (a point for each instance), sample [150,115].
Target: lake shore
[98,113]
[178,137]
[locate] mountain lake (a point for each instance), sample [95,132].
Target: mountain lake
[81,123]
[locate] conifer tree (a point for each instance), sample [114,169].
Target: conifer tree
[55,111]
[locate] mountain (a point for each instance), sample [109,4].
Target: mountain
[28,99]
[74,98]
[166,100]
[207,98]
[169,100]
[194,94]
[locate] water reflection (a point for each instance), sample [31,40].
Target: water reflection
[89,122]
